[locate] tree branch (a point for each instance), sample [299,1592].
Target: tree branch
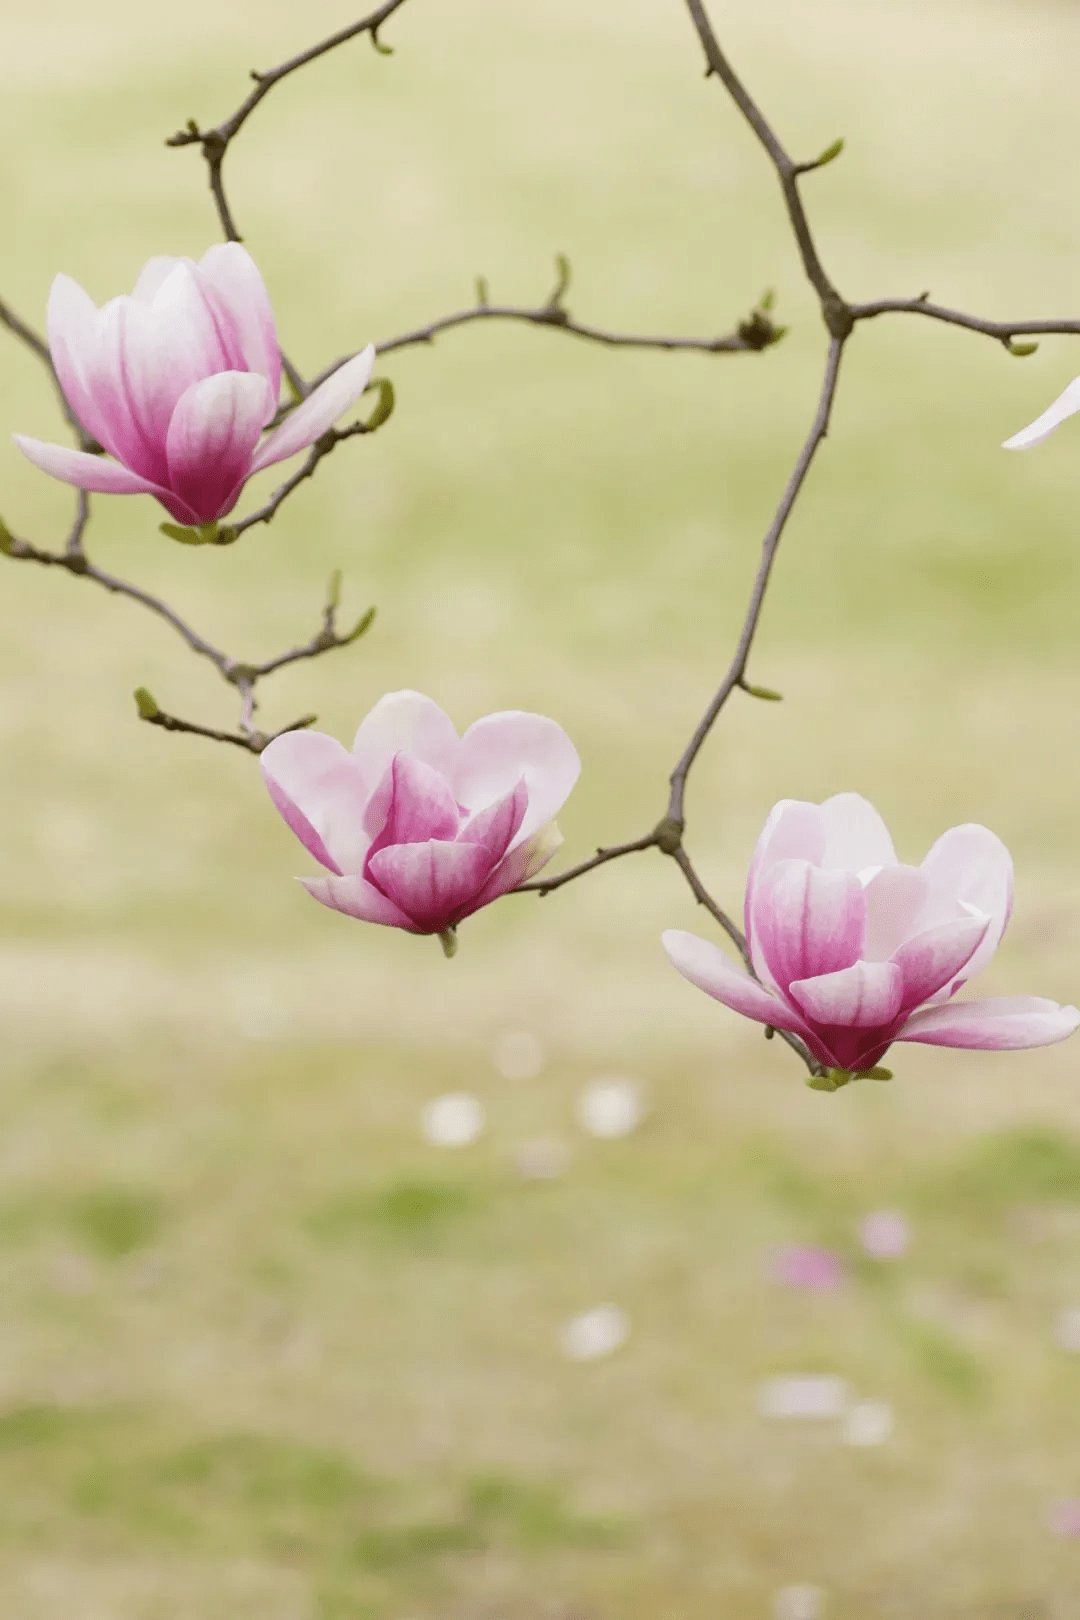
[1004,331]
[215,142]
[736,673]
[544,886]
[834,310]
[241,675]
[756,332]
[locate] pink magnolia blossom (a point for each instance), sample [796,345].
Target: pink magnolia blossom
[417,826]
[177,381]
[853,950]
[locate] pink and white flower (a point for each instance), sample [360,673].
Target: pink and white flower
[416,826]
[177,381]
[853,950]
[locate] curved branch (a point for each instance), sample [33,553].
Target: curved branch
[614,852]
[736,672]
[756,332]
[215,142]
[242,676]
[745,338]
[1002,330]
[833,307]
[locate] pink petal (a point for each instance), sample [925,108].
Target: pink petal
[497,826]
[319,411]
[866,995]
[229,278]
[933,959]
[405,722]
[707,966]
[808,921]
[435,884]
[855,835]
[999,1023]
[86,472]
[501,749]
[1066,404]
[794,831]
[521,863]
[214,429]
[147,356]
[972,865]
[72,326]
[421,805]
[318,790]
[357,898]
[153,275]
[896,897]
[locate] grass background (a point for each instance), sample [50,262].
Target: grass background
[262,1352]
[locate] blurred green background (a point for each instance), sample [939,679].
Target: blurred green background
[263,1351]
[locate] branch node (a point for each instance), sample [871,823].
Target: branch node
[667,835]
[240,674]
[838,315]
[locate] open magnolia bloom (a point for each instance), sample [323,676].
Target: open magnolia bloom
[417,826]
[1066,405]
[854,950]
[177,381]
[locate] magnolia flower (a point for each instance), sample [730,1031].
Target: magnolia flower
[417,826]
[177,382]
[853,950]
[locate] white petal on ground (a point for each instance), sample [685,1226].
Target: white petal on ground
[803,1395]
[453,1120]
[798,1603]
[884,1234]
[594,1333]
[609,1106]
[867,1423]
[518,1054]
[544,1158]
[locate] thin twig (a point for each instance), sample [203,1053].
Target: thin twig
[736,671]
[834,310]
[704,898]
[753,334]
[253,742]
[215,142]
[38,346]
[322,447]
[614,852]
[75,562]
[1002,330]
[242,676]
